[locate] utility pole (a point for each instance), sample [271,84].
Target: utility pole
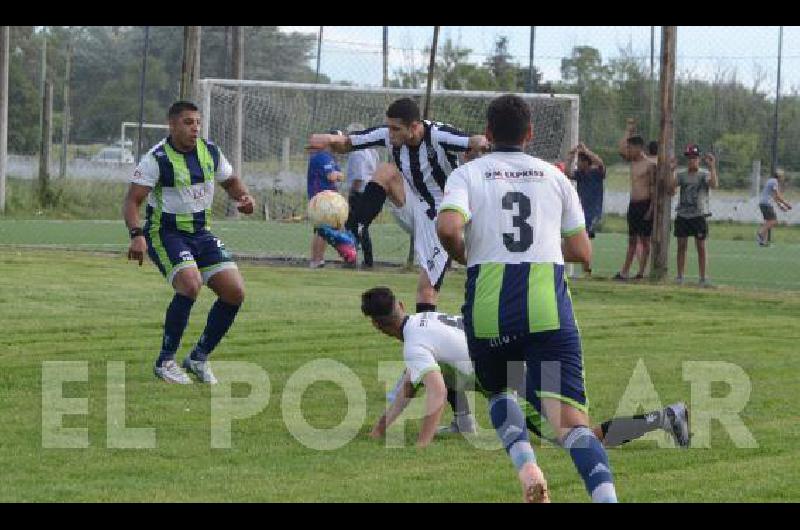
[237,60]
[5,41]
[141,93]
[777,104]
[190,69]
[531,79]
[45,145]
[385,56]
[666,150]
[62,171]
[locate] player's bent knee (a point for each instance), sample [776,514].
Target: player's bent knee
[188,282]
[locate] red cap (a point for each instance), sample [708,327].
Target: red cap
[691,150]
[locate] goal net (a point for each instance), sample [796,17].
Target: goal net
[267,148]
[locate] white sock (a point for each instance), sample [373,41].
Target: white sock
[605,492]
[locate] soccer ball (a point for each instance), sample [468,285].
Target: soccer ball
[328,207]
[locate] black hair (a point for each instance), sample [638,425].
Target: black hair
[652,148]
[179,106]
[404,109]
[508,118]
[378,302]
[636,140]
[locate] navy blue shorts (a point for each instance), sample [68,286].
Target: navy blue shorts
[173,250]
[553,366]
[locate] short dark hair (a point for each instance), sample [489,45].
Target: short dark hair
[636,140]
[378,303]
[652,148]
[404,109]
[179,106]
[583,157]
[508,117]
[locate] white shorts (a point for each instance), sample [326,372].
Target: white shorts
[429,252]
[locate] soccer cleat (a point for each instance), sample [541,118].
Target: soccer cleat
[464,424]
[316,264]
[201,370]
[677,423]
[619,277]
[679,280]
[172,373]
[534,485]
[348,252]
[705,283]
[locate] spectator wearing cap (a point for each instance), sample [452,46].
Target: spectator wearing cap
[361,166]
[771,192]
[323,174]
[690,219]
[640,209]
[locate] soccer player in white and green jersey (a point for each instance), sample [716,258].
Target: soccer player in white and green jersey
[516,209]
[177,178]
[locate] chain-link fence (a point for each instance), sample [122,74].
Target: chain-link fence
[727,83]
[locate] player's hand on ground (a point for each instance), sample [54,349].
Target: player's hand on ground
[246,204]
[318,141]
[137,249]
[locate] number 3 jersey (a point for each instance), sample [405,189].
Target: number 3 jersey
[517,209]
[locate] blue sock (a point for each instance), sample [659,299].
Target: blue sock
[509,422]
[219,321]
[591,462]
[174,325]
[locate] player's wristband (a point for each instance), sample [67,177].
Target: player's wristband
[136,231]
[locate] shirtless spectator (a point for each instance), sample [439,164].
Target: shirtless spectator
[640,209]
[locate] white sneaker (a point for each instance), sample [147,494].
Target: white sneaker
[201,370]
[172,373]
[464,424]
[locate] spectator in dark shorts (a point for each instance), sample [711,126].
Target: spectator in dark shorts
[690,219]
[771,192]
[640,209]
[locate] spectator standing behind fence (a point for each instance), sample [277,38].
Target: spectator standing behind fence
[771,192]
[361,165]
[690,219]
[588,175]
[640,209]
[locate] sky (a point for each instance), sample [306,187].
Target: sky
[354,53]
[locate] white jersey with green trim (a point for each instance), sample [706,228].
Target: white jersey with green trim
[517,208]
[436,342]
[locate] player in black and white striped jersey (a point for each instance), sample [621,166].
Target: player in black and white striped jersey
[424,154]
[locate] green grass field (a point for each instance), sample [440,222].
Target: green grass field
[734,258]
[96,309]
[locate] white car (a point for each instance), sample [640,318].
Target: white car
[113,155]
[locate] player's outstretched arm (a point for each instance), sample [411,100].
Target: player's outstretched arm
[450,228]
[237,191]
[401,401]
[436,396]
[338,143]
[130,212]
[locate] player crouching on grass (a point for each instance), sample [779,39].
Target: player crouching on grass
[437,357]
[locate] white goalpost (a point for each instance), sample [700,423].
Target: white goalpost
[276,119]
